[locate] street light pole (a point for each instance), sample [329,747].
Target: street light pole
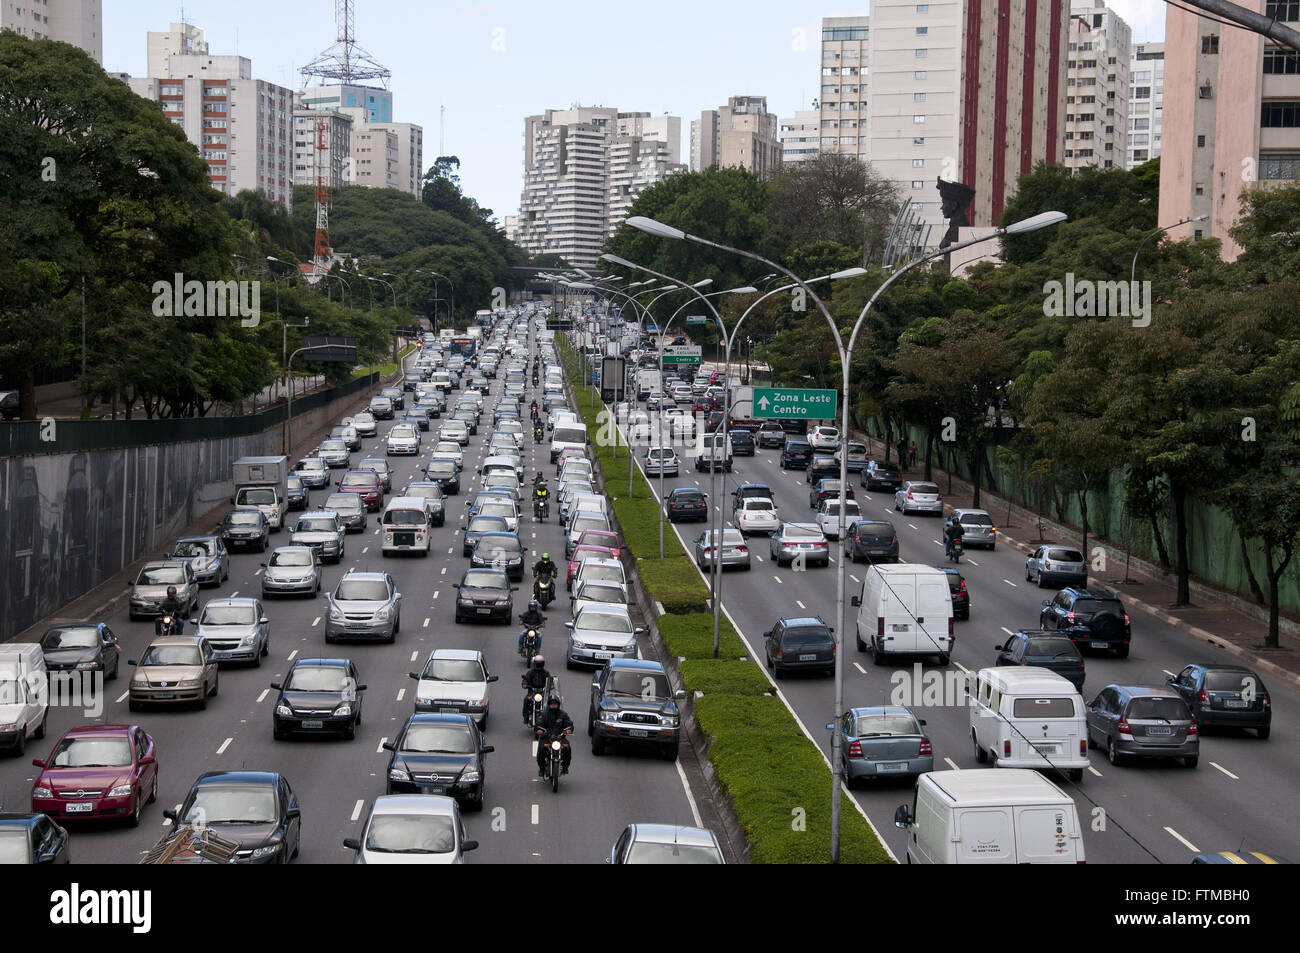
[1138,251]
[288,411]
[284,353]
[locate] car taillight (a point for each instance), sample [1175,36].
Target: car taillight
[1268,701]
[1123,727]
[1024,661]
[1048,565]
[909,494]
[1126,618]
[1069,617]
[1083,747]
[962,587]
[779,652]
[742,549]
[950,628]
[1006,748]
[894,542]
[1192,729]
[926,747]
[880,627]
[855,749]
[1203,698]
[938,497]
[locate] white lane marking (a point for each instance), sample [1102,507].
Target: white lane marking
[292,654]
[690,798]
[535,813]
[952,764]
[262,696]
[1009,583]
[232,595]
[800,604]
[936,542]
[414,656]
[425,626]
[380,749]
[1169,673]
[122,697]
[860,668]
[972,562]
[777,578]
[913,525]
[444,571]
[1225,771]
[224,745]
[316,622]
[356,810]
[1006,630]
[1182,840]
[435,593]
[401,693]
[960,666]
[257,572]
[452,549]
[1094,770]
[855,578]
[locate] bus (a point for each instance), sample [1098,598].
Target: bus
[464,345]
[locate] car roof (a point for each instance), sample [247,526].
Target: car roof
[636,664]
[1006,786]
[232,600]
[238,777]
[439,718]
[1145,691]
[436,805]
[881,710]
[363,574]
[801,620]
[1220,667]
[197,539]
[13,819]
[322,662]
[673,834]
[462,654]
[176,640]
[100,730]
[324,514]
[411,502]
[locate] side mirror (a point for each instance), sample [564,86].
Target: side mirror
[130,662]
[276,686]
[352,843]
[568,625]
[294,811]
[468,845]
[1046,603]
[263,565]
[39,762]
[414,675]
[264,620]
[493,678]
[486,749]
[639,630]
[997,648]
[856,601]
[170,814]
[388,746]
[148,759]
[903,817]
[1170,679]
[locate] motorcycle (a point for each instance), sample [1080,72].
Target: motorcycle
[532,641]
[544,592]
[538,434]
[170,625]
[541,508]
[555,761]
[954,549]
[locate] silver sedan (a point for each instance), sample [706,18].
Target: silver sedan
[292,569]
[735,551]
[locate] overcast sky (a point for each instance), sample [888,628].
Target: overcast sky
[493,62]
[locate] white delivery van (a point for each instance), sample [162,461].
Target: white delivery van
[1022,716]
[990,817]
[24,694]
[905,609]
[568,433]
[713,451]
[441,380]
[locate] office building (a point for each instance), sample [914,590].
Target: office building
[800,136]
[79,22]
[742,133]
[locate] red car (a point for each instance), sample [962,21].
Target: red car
[581,552]
[97,772]
[366,484]
[601,537]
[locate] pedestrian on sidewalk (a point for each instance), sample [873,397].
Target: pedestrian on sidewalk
[902,453]
[911,454]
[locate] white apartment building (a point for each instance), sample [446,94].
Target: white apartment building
[844,82]
[1146,103]
[409,172]
[79,22]
[376,102]
[742,133]
[370,109]
[336,166]
[181,39]
[1097,88]
[800,136]
[634,164]
[375,150]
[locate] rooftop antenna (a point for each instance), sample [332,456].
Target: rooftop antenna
[345,61]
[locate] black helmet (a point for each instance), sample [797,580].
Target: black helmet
[171,590]
[538,661]
[553,702]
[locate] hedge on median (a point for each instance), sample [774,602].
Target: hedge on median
[691,637]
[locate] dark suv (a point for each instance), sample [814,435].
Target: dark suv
[871,541]
[1042,649]
[751,491]
[742,443]
[770,434]
[828,488]
[796,454]
[1225,695]
[880,475]
[821,466]
[632,701]
[1090,617]
[802,644]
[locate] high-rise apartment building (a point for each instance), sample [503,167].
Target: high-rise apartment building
[374,157]
[800,136]
[393,160]
[583,168]
[742,133]
[376,102]
[79,22]
[181,39]
[335,166]
[1097,88]
[1146,103]
[844,74]
[1234,99]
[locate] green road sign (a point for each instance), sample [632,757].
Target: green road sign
[794,403]
[681,359]
[697,319]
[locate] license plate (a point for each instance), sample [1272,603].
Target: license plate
[435,789]
[313,724]
[1234,703]
[358,625]
[886,766]
[164,695]
[1160,731]
[603,654]
[1100,645]
[81,807]
[638,733]
[483,611]
[1047,749]
[450,711]
[808,658]
[900,627]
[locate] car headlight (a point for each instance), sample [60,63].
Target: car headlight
[469,777]
[668,721]
[284,711]
[343,710]
[578,643]
[188,683]
[398,774]
[247,640]
[266,851]
[122,790]
[82,666]
[474,702]
[336,615]
[382,613]
[610,717]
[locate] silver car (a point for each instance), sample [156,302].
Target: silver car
[364,605]
[735,551]
[1136,721]
[237,630]
[381,467]
[661,460]
[857,457]
[665,844]
[208,558]
[1054,563]
[456,430]
[800,540]
[600,632]
[434,501]
[314,472]
[884,742]
[365,424]
[292,569]
[404,439]
[321,531]
[150,587]
[412,829]
[335,453]
[977,527]
[594,591]
[350,508]
[918,497]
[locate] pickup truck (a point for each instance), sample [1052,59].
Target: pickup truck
[632,701]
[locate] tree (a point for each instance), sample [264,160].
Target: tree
[835,198]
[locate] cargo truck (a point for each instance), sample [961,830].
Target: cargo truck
[262,483]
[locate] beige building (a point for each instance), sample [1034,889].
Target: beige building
[1097,88]
[375,150]
[370,109]
[844,73]
[336,163]
[800,136]
[79,22]
[1146,103]
[180,39]
[742,133]
[1234,99]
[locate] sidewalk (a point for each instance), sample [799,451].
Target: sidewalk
[1219,618]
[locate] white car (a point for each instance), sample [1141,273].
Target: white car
[450,448]
[638,426]
[455,681]
[825,438]
[514,428]
[412,829]
[403,439]
[662,460]
[596,591]
[756,514]
[365,423]
[828,516]
[454,430]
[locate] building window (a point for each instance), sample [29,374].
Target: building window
[1200,190]
[918,97]
[1144,92]
[1278,115]
[922,30]
[842,33]
[1281,62]
[1279,165]
[1210,44]
[1198,234]
[918,120]
[918,74]
[918,163]
[1289,11]
[1200,142]
[922,8]
[918,140]
[918,184]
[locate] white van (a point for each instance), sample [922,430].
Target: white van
[714,450]
[406,525]
[566,435]
[905,609]
[441,380]
[990,817]
[24,694]
[1028,717]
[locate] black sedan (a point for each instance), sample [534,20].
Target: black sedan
[477,526]
[1225,696]
[32,839]
[439,754]
[499,551]
[256,809]
[957,587]
[81,646]
[318,695]
[1043,650]
[687,503]
[485,594]
[247,529]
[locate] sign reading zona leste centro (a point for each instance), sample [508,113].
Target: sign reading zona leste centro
[795,403]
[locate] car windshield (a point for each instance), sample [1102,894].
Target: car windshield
[363,418]
[803,532]
[189,549]
[442,469]
[232,804]
[14,848]
[403,431]
[598,538]
[228,615]
[1233,682]
[75,637]
[569,435]
[293,483]
[1056,706]
[606,572]
[315,463]
[647,853]
[454,670]
[687,496]
[362,590]
[424,492]
[319,678]
[809,636]
[172,655]
[1065,556]
[857,449]
[648,686]
[485,580]
[593,593]
[411,834]
[876,530]
[374,463]
[161,576]
[603,622]
[321,525]
[589,522]
[752,505]
[880,465]
[92,753]
[359,479]
[886,723]
[851,508]
[336,445]
[291,557]
[1051,648]
[342,501]
[508,545]
[405,518]
[448,739]
[245,518]
[1157,709]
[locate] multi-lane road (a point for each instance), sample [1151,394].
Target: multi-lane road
[336,781]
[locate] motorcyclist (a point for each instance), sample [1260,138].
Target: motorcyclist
[169,606]
[952,531]
[555,721]
[532,619]
[532,410]
[536,679]
[544,570]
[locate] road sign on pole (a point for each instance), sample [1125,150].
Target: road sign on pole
[681,359]
[795,403]
[697,319]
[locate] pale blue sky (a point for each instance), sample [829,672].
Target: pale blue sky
[493,62]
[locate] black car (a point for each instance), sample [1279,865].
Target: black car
[439,754]
[742,443]
[687,503]
[485,594]
[797,645]
[881,475]
[9,404]
[747,491]
[796,455]
[821,466]
[1220,695]
[32,839]
[1091,617]
[1043,649]
[256,809]
[957,588]
[828,488]
[477,526]
[247,529]
[296,497]
[770,434]
[81,646]
[318,695]
[499,551]
[872,541]
[444,472]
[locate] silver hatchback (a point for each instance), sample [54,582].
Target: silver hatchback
[977,527]
[1141,722]
[236,629]
[918,497]
[735,551]
[1052,562]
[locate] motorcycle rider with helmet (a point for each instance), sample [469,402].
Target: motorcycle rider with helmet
[536,679]
[170,606]
[557,721]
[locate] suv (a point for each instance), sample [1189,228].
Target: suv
[957,589]
[796,455]
[872,541]
[800,644]
[827,488]
[770,434]
[742,443]
[364,605]
[1091,617]
[977,527]
[1043,649]
[881,475]
[633,701]
[1225,695]
[1053,561]
[745,491]
[822,466]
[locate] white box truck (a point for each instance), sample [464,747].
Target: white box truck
[905,609]
[24,694]
[262,483]
[1015,816]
